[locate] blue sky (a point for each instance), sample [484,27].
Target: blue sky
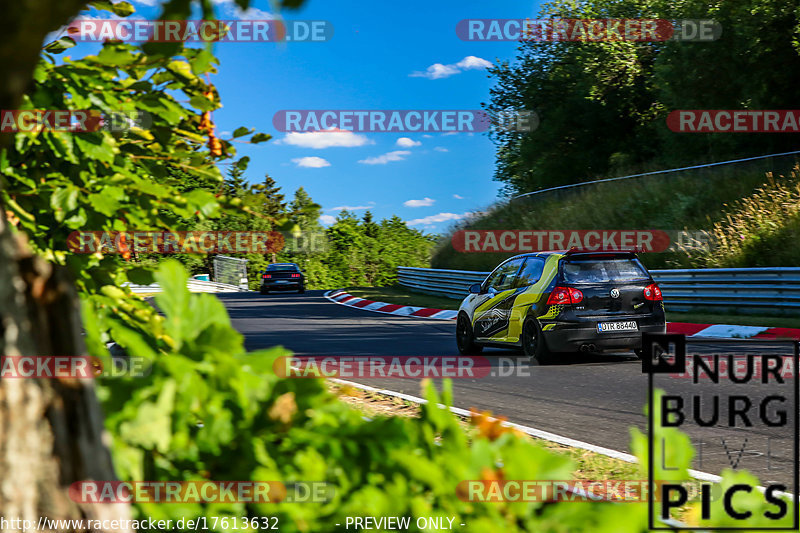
[368,64]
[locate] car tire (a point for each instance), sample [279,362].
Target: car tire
[533,343]
[301,290]
[264,291]
[465,340]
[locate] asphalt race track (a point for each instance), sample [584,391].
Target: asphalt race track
[592,398]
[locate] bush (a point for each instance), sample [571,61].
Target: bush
[760,230]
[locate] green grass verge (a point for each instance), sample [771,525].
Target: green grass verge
[402,296]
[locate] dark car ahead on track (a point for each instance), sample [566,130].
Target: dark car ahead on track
[562,302]
[283,276]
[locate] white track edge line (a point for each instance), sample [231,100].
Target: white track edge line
[538,433]
[545,435]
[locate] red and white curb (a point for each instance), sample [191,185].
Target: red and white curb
[341,297]
[716,331]
[726,331]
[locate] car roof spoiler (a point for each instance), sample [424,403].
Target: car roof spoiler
[576,253]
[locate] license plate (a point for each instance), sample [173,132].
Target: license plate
[604,327]
[281,281]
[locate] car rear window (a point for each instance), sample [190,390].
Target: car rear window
[603,270]
[290,268]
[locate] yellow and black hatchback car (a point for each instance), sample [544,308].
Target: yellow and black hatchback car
[552,302]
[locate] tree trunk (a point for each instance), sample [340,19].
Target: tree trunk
[51,431]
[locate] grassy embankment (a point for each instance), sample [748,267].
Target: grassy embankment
[753,216]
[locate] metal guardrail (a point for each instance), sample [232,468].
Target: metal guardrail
[449,283]
[769,290]
[193,285]
[764,289]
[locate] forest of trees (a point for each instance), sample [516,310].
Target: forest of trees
[351,251]
[603,105]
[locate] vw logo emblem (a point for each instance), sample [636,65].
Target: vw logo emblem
[615,293]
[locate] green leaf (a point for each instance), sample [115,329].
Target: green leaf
[202,103]
[202,201]
[260,138]
[203,62]
[152,427]
[140,276]
[181,69]
[93,147]
[61,143]
[242,131]
[115,55]
[123,9]
[108,201]
[64,43]
[242,163]
[174,297]
[65,199]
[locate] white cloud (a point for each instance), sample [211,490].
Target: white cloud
[369,205]
[254,13]
[311,162]
[433,219]
[397,155]
[458,197]
[426,136]
[439,71]
[405,142]
[231,10]
[471,62]
[448,133]
[436,71]
[324,139]
[145,2]
[327,219]
[440,149]
[425,202]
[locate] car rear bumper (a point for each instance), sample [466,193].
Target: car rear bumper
[275,285]
[570,336]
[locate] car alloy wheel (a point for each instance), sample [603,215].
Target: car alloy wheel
[533,343]
[464,337]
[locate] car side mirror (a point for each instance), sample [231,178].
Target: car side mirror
[475,288]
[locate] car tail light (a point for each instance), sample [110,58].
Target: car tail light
[565,295]
[653,293]
[295,275]
[267,276]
